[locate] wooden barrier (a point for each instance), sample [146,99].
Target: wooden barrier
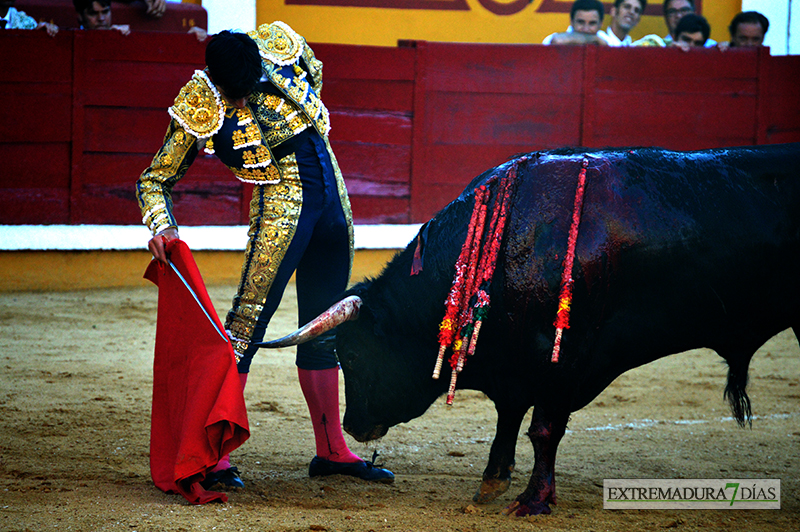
[176,18]
[36,127]
[477,105]
[411,125]
[370,93]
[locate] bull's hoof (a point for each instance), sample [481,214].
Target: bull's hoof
[530,508]
[491,489]
[533,508]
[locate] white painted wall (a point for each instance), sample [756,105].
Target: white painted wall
[210,237]
[230,15]
[783,36]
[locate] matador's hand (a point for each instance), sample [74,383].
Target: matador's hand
[158,243]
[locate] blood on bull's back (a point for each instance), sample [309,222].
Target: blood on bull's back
[674,251]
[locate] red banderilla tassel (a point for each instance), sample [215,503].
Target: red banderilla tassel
[565,298]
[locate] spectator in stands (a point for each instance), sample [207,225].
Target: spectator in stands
[674,11]
[625,15]
[256,106]
[12,19]
[586,18]
[96,15]
[691,32]
[748,29]
[155,8]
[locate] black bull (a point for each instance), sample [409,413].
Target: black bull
[676,251]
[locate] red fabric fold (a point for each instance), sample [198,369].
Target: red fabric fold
[198,412]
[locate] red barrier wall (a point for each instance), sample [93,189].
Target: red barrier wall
[411,125]
[370,93]
[176,18]
[35,127]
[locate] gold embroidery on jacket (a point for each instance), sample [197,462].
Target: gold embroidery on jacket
[154,187]
[274,213]
[199,107]
[280,119]
[278,43]
[300,93]
[258,176]
[256,158]
[238,139]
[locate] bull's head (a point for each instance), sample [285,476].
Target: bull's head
[387,381]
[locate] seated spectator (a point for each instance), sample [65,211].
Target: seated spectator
[625,15]
[155,8]
[586,18]
[748,29]
[96,15]
[674,11]
[12,19]
[691,32]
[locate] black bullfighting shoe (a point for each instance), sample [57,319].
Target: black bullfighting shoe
[225,477]
[320,467]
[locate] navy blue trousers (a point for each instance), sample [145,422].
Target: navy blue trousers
[319,253]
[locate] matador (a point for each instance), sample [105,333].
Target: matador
[257,107]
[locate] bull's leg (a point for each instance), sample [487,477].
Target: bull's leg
[545,433]
[497,475]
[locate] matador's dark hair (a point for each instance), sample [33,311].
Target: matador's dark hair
[234,63]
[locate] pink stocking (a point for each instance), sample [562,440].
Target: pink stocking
[321,390]
[225,461]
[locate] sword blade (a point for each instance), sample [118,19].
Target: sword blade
[189,288]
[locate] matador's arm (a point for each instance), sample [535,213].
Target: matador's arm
[154,187]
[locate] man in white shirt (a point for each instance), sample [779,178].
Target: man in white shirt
[625,15]
[674,11]
[586,18]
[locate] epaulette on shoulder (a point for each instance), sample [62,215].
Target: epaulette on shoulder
[278,43]
[198,107]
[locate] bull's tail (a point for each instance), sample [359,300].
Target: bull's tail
[736,391]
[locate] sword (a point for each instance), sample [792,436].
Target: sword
[189,288]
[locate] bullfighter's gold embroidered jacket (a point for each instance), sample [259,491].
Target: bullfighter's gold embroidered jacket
[243,139]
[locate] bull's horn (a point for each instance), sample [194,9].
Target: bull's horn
[344,310]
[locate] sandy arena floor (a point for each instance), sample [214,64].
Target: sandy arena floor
[74,434]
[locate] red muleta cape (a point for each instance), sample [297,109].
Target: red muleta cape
[198,411]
